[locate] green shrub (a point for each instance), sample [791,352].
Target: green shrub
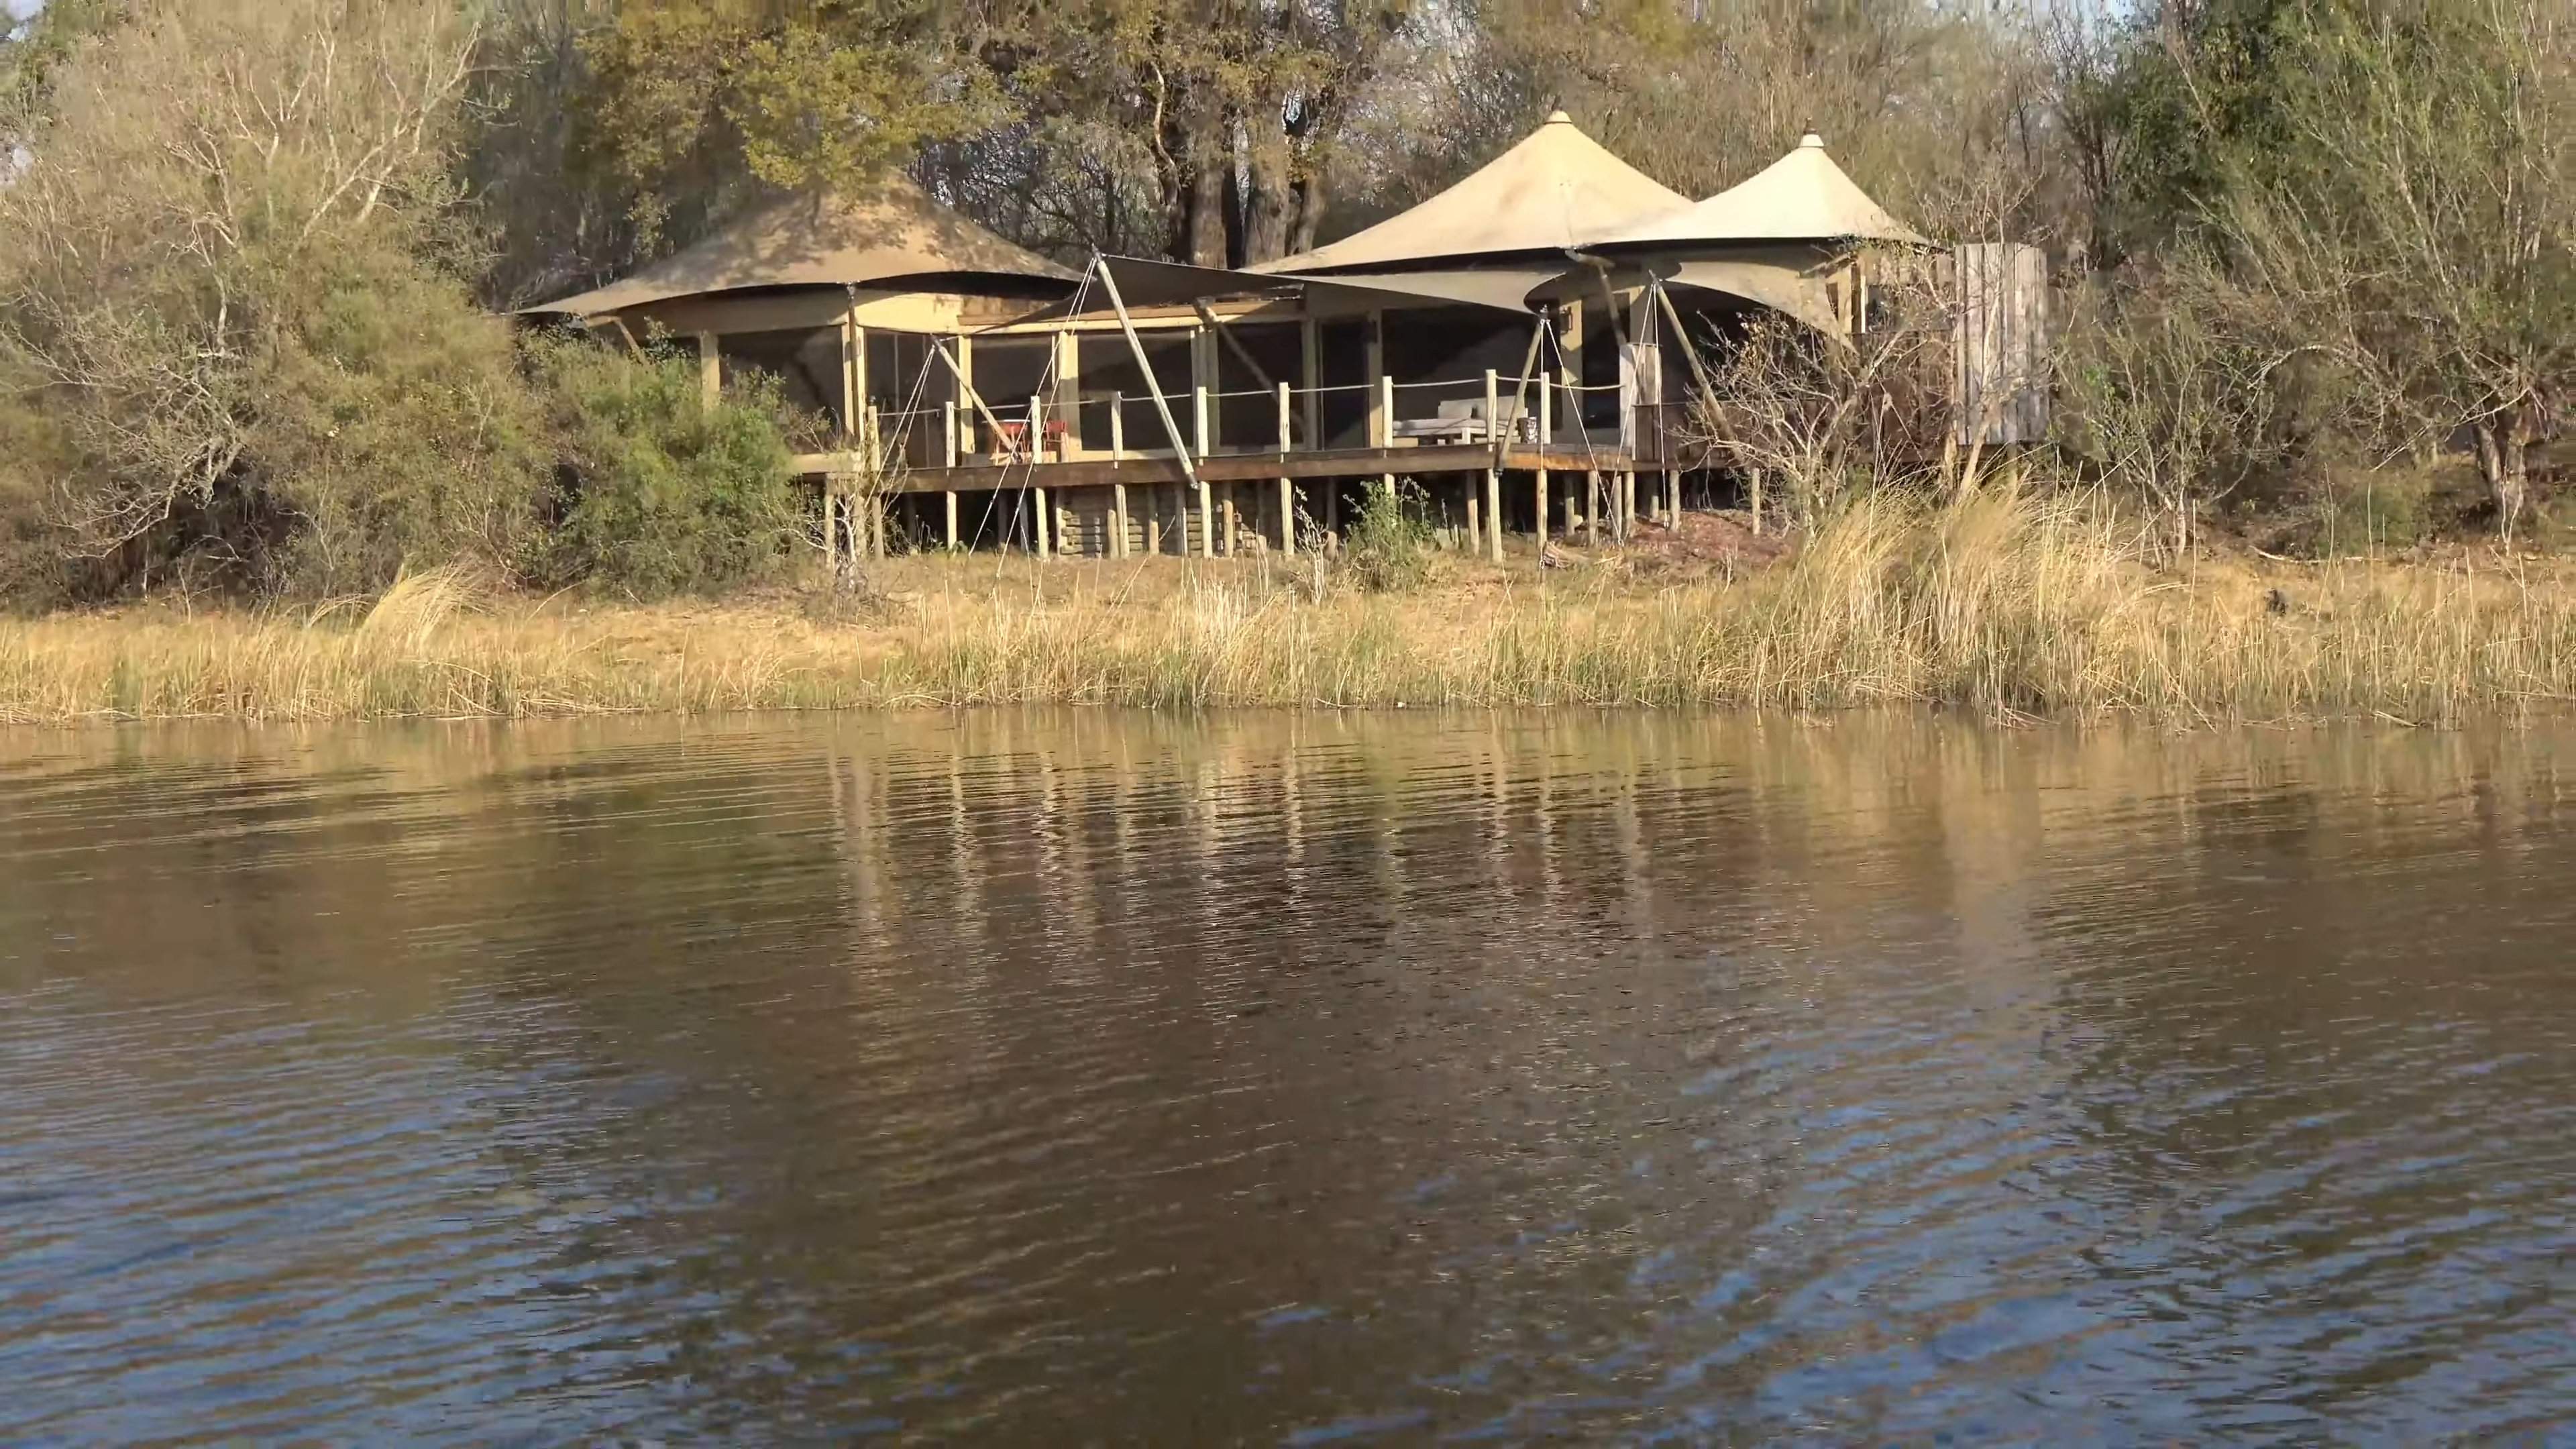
[659,493]
[1389,548]
[397,431]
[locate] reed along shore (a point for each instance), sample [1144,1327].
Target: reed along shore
[2003,606]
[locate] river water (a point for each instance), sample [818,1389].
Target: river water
[1058,1078]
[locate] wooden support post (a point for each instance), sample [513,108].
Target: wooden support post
[1310,358]
[1036,439]
[1206,388]
[1207,522]
[951,497]
[1068,391]
[1569,363]
[1374,348]
[854,376]
[948,429]
[1546,413]
[1117,425]
[1475,541]
[710,369]
[1038,530]
[1117,520]
[1333,506]
[1494,514]
[1287,519]
[1493,400]
[1287,440]
[1385,411]
[1230,534]
[1538,509]
[1592,508]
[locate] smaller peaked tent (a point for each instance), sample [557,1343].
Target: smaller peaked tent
[1558,188]
[895,234]
[1803,196]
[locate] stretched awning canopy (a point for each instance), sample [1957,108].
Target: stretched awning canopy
[1803,196]
[1148,282]
[1775,285]
[1557,189]
[893,234]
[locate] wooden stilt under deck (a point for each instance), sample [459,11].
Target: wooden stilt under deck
[1050,507]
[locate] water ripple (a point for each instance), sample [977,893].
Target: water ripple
[1314,1080]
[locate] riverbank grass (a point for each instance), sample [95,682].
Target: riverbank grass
[2000,605]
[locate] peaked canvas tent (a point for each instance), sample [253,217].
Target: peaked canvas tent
[1803,196]
[1558,188]
[893,234]
[1770,238]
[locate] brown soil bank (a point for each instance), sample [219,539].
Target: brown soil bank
[2001,606]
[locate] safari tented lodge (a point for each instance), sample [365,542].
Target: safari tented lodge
[1505,345]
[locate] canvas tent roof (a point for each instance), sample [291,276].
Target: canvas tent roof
[1558,188]
[1803,196]
[894,232]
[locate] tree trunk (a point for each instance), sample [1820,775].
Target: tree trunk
[1180,203]
[1306,215]
[1207,200]
[1234,218]
[1268,202]
[2504,449]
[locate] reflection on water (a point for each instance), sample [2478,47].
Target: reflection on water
[1054,1077]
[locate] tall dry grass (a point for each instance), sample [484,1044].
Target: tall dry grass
[1998,605]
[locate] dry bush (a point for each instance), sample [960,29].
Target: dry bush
[2415,222]
[1814,420]
[2172,394]
[220,291]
